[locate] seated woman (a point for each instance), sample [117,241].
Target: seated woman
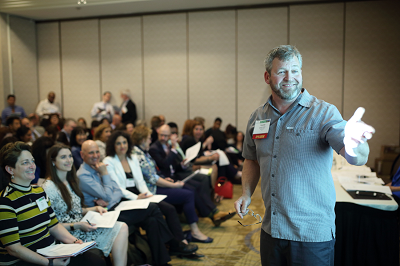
[27,220]
[39,152]
[141,138]
[124,169]
[24,134]
[176,195]
[196,135]
[62,187]
[78,136]
[101,135]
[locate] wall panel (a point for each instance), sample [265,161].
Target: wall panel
[212,64]
[165,68]
[371,69]
[80,66]
[317,31]
[259,30]
[121,59]
[49,64]
[24,62]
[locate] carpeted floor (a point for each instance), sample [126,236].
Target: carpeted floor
[233,245]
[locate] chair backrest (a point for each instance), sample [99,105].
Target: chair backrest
[395,166]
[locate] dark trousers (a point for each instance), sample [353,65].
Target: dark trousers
[90,257]
[280,252]
[170,214]
[182,197]
[200,185]
[157,231]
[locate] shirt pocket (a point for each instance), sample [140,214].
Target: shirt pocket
[302,140]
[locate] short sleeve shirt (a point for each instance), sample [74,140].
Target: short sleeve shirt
[295,162]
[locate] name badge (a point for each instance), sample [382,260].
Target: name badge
[130,182]
[261,129]
[41,203]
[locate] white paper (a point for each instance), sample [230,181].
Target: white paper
[132,205]
[231,149]
[353,184]
[205,171]
[223,159]
[107,220]
[192,152]
[65,250]
[190,176]
[154,198]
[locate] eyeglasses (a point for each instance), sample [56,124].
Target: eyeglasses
[255,215]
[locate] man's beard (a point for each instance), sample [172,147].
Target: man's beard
[285,94]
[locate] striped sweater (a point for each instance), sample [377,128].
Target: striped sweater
[21,221]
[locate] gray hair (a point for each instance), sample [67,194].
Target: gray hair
[126,92]
[283,53]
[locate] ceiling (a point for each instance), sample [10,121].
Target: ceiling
[42,10]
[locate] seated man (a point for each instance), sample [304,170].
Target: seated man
[12,109]
[65,133]
[170,163]
[99,189]
[12,124]
[217,134]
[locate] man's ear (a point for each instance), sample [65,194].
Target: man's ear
[267,77]
[9,170]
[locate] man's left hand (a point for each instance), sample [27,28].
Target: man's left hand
[356,132]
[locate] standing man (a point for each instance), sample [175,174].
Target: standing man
[128,108]
[12,109]
[289,142]
[103,109]
[48,106]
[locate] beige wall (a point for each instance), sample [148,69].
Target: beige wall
[210,63]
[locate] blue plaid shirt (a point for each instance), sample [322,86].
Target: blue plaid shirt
[295,165]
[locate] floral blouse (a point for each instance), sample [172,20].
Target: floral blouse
[148,167]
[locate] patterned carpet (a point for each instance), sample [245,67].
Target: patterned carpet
[233,245]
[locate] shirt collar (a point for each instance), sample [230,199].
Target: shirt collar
[88,168]
[20,187]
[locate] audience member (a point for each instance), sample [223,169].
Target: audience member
[98,188]
[39,153]
[128,108]
[101,135]
[93,126]
[24,134]
[7,140]
[197,132]
[12,124]
[230,134]
[170,163]
[158,184]
[65,135]
[187,128]
[129,128]
[67,200]
[116,122]
[125,170]
[218,136]
[26,226]
[48,106]
[162,119]
[155,124]
[37,130]
[78,136]
[51,132]
[104,121]
[103,109]
[53,119]
[12,109]
[82,123]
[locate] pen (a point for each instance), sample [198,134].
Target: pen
[88,222]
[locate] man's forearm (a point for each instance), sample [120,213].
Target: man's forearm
[250,177]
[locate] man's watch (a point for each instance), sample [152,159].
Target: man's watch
[50,262]
[72,227]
